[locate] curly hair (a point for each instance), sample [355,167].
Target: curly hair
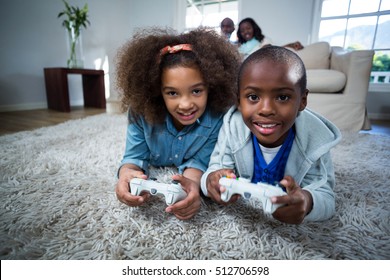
[257,33]
[140,65]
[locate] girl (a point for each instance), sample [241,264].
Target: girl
[250,37]
[176,89]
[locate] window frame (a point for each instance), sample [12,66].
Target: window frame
[203,3]
[317,18]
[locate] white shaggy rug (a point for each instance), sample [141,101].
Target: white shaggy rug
[57,201]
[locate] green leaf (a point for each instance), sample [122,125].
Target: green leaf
[74,17]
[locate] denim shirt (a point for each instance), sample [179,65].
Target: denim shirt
[163,145]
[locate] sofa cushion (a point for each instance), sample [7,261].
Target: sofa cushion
[316,55]
[321,80]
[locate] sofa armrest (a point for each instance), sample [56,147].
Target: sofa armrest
[356,65]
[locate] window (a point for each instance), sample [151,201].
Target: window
[210,13]
[360,24]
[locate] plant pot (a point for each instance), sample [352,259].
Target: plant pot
[75,49]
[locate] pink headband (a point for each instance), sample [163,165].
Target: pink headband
[175,49]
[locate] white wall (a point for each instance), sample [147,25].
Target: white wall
[283,21]
[32,38]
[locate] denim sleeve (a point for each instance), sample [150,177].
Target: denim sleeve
[136,151]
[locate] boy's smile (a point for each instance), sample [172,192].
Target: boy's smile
[270,99]
[185,94]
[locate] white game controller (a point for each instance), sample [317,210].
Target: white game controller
[172,192]
[248,190]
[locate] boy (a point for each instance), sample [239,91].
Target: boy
[270,137]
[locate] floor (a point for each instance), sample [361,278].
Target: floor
[379,127]
[11,122]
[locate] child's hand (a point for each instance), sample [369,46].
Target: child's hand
[298,203]
[214,189]
[188,207]
[123,187]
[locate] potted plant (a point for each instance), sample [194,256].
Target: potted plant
[75,19]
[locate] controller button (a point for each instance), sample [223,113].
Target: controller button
[247,195]
[153,191]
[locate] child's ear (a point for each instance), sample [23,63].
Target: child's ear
[238,105]
[303,100]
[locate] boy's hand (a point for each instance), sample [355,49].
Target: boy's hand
[123,187]
[214,189]
[298,203]
[188,207]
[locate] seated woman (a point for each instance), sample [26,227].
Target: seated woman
[251,38]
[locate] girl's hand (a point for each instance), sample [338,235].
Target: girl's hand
[126,173]
[187,208]
[214,189]
[299,203]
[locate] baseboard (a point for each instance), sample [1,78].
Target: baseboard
[379,87]
[379,116]
[23,107]
[113,99]
[34,106]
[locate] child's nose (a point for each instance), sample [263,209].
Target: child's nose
[185,103]
[266,107]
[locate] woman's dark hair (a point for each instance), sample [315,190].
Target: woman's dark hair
[140,65]
[256,30]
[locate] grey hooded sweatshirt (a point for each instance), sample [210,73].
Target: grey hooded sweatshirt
[309,162]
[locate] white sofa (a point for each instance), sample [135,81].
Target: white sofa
[338,83]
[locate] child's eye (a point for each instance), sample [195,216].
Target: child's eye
[171,93]
[283,97]
[197,91]
[252,97]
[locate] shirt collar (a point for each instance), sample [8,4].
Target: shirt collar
[205,120]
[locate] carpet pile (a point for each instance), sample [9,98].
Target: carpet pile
[57,201]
